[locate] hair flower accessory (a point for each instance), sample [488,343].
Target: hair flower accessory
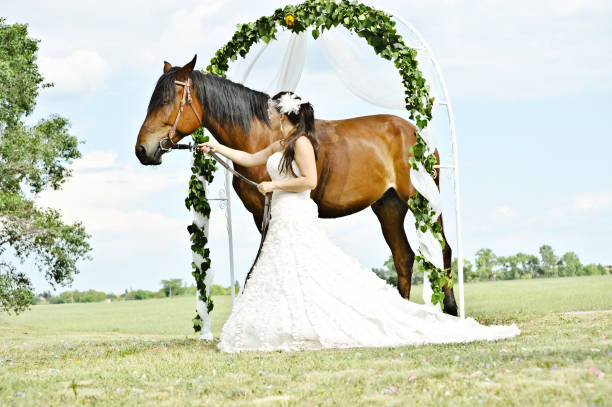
[289,103]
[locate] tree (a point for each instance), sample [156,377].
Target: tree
[570,265]
[468,270]
[594,270]
[173,287]
[549,261]
[528,265]
[32,159]
[510,268]
[485,263]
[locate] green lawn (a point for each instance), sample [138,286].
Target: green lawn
[144,352]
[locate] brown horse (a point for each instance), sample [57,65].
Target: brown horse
[362,161]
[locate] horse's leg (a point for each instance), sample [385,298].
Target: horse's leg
[391,211]
[450,306]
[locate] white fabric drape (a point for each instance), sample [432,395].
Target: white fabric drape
[291,68]
[353,60]
[202,222]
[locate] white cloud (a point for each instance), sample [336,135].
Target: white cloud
[80,71]
[503,213]
[516,50]
[500,49]
[107,196]
[575,209]
[96,219]
[95,159]
[188,23]
[592,202]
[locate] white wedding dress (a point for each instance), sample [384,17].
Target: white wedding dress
[306,293]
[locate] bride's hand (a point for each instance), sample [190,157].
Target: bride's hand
[266,186]
[207,147]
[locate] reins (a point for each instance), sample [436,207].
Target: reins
[186,99]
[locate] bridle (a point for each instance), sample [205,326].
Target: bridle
[187,100]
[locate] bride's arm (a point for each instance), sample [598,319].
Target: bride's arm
[242,157]
[305,159]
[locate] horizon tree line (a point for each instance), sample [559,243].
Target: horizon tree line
[487,266]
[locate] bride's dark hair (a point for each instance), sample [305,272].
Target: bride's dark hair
[304,124]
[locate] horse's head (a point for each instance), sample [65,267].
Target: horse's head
[165,113]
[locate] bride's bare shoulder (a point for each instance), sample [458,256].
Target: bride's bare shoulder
[303,142]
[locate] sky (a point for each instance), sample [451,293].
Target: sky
[530,83]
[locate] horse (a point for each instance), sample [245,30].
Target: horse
[361,161]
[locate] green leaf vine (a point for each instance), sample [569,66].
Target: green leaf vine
[378,29]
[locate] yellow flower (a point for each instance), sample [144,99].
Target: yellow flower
[289,19]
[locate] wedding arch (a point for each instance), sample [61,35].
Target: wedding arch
[378,28]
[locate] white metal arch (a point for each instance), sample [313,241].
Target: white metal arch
[455,164]
[451,166]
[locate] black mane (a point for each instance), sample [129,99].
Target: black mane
[227,103]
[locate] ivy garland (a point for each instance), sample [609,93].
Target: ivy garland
[378,29]
[203,168]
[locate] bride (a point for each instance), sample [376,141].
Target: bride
[306,293]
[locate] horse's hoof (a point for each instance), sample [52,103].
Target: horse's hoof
[451,309]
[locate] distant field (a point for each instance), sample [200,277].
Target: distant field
[144,352]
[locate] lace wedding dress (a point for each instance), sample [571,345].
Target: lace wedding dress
[306,293]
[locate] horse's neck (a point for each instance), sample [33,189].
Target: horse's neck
[259,136]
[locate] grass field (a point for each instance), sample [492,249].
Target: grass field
[144,353]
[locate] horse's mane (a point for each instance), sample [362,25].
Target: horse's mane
[227,102]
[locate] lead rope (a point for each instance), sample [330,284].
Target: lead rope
[266,213]
[268,198]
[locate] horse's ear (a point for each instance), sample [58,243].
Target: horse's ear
[167,66]
[184,72]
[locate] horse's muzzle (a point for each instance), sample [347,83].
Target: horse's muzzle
[146,159]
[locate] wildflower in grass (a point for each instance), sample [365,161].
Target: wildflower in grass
[598,372]
[118,391]
[412,377]
[390,389]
